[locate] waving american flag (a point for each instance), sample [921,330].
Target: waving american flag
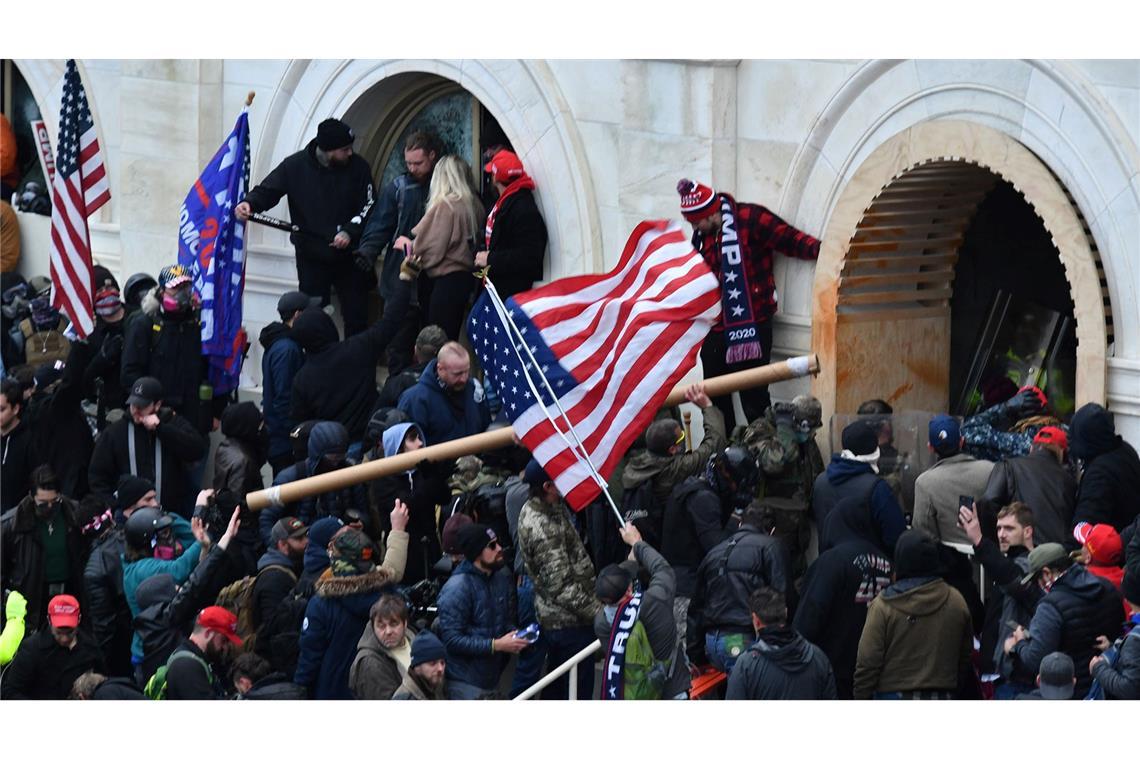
[605,349]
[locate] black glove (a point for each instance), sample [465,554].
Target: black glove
[362,262]
[784,414]
[112,348]
[1025,403]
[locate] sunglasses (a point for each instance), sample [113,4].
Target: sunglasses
[493,545]
[680,439]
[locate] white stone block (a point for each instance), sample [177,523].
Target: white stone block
[263,74]
[1011,76]
[764,166]
[592,88]
[1126,103]
[780,100]
[600,146]
[1118,73]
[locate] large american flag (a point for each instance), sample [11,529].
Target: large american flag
[611,346]
[80,187]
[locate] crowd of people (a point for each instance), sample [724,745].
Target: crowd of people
[133,566]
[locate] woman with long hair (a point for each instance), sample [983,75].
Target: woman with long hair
[445,241]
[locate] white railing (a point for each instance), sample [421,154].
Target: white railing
[570,665]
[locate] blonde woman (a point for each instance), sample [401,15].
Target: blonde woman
[445,242]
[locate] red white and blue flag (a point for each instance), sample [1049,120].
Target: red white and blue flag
[611,346]
[79,188]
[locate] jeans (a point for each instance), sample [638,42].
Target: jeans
[562,645]
[723,647]
[528,667]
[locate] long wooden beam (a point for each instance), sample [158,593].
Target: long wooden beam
[798,366]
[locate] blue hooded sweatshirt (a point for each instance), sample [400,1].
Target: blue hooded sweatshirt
[886,514]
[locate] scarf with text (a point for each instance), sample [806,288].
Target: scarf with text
[742,341]
[522,183]
[613,684]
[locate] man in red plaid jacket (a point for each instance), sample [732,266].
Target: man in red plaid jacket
[737,241]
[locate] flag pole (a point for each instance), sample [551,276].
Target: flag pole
[287,493]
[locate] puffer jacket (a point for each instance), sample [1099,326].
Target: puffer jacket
[474,609]
[1110,480]
[781,664]
[727,576]
[375,672]
[22,555]
[1043,483]
[1121,680]
[848,477]
[436,412]
[334,618]
[558,565]
[1078,608]
[280,362]
[918,637]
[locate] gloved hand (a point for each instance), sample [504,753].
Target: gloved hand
[17,606]
[362,262]
[784,413]
[1025,403]
[112,348]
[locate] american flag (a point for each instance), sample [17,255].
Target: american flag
[611,346]
[80,187]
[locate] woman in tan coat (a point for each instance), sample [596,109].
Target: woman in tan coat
[445,241]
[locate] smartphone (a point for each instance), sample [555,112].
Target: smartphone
[528,634]
[966,501]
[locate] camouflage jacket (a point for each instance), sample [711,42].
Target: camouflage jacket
[996,433]
[558,565]
[790,468]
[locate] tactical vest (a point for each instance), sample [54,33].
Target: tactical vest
[44,346]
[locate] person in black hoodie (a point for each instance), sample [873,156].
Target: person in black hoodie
[782,664]
[15,443]
[60,435]
[280,361]
[101,380]
[278,568]
[850,572]
[151,441]
[338,379]
[330,195]
[516,234]
[237,469]
[1110,478]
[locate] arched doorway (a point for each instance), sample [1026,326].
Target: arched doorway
[889,266]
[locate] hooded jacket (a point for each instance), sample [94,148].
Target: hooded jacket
[848,477]
[240,455]
[276,577]
[1045,484]
[918,637]
[415,688]
[1078,608]
[440,414]
[475,608]
[180,568]
[840,585]
[338,380]
[1111,477]
[18,459]
[781,664]
[281,359]
[375,672]
[42,669]
[336,615]
[22,555]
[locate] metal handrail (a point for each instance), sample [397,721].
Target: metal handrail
[569,665]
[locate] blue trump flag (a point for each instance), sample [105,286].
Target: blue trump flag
[211,245]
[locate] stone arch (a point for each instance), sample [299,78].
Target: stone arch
[955,154]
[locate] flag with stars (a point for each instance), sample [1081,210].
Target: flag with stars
[79,188]
[211,244]
[611,346]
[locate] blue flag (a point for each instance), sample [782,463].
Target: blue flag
[211,245]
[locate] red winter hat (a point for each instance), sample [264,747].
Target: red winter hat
[504,167]
[697,200]
[220,620]
[1103,542]
[1052,435]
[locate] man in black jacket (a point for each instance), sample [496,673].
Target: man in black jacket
[15,443]
[101,380]
[849,573]
[1042,481]
[41,547]
[58,426]
[1110,478]
[719,616]
[48,662]
[152,442]
[278,568]
[103,578]
[193,670]
[515,238]
[330,195]
[782,664]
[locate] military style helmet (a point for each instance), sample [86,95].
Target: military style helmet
[808,414]
[143,525]
[137,286]
[734,469]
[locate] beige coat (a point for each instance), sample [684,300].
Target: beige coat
[936,493]
[443,239]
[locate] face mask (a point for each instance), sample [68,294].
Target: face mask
[178,301]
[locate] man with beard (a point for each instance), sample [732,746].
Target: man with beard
[424,679]
[279,567]
[446,403]
[193,668]
[850,572]
[101,380]
[330,195]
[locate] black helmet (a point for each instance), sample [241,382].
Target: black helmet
[143,524]
[734,471]
[382,419]
[137,286]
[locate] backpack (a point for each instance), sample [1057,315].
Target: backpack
[238,599]
[279,639]
[644,676]
[640,507]
[791,523]
[156,687]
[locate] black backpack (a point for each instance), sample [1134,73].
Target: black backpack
[279,638]
[640,507]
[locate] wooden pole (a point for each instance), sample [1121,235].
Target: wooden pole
[687,416]
[798,366]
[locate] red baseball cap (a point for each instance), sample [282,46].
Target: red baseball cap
[1052,435]
[504,167]
[63,611]
[1103,542]
[220,620]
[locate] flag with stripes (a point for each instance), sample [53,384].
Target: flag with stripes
[80,187]
[610,347]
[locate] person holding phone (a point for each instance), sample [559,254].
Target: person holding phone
[955,480]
